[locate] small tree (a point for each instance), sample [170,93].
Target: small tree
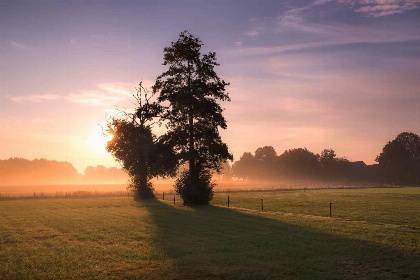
[140,152]
[192,88]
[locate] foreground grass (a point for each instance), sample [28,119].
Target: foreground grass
[389,216]
[109,238]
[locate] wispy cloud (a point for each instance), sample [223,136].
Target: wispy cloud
[117,88]
[34,98]
[18,45]
[93,98]
[252,33]
[103,94]
[106,94]
[379,8]
[298,31]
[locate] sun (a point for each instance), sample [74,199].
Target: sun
[108,137]
[98,140]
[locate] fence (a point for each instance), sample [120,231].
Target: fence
[176,198]
[61,194]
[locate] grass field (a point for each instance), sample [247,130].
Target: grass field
[374,234]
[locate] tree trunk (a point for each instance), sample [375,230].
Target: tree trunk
[192,165]
[143,177]
[143,188]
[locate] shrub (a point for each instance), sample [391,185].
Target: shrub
[139,191]
[199,193]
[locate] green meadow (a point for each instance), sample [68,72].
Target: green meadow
[373,234]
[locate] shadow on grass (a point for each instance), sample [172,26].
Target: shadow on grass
[212,242]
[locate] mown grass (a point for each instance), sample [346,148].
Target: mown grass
[399,206]
[111,238]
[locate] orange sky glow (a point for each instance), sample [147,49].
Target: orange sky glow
[321,74]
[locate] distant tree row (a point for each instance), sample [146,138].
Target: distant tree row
[101,174]
[399,163]
[293,164]
[20,171]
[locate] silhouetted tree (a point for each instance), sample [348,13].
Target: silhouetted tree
[299,163]
[244,168]
[20,171]
[263,165]
[399,161]
[141,153]
[327,159]
[265,154]
[192,88]
[266,163]
[329,163]
[338,168]
[226,171]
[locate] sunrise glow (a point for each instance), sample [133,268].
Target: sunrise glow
[321,74]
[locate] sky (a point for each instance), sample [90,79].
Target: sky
[317,74]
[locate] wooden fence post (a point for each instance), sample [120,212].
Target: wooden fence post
[163,196]
[330,210]
[174,199]
[262,204]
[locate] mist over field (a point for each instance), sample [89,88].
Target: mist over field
[22,176]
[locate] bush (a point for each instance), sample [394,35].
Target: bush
[200,193]
[139,191]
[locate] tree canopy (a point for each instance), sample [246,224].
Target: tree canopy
[399,160]
[140,152]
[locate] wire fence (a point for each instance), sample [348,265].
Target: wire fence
[61,194]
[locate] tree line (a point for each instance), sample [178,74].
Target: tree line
[398,163]
[21,171]
[294,164]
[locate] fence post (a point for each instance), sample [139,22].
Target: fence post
[174,199]
[262,204]
[330,210]
[228,202]
[163,196]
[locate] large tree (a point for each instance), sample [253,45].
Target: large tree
[140,152]
[191,90]
[399,161]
